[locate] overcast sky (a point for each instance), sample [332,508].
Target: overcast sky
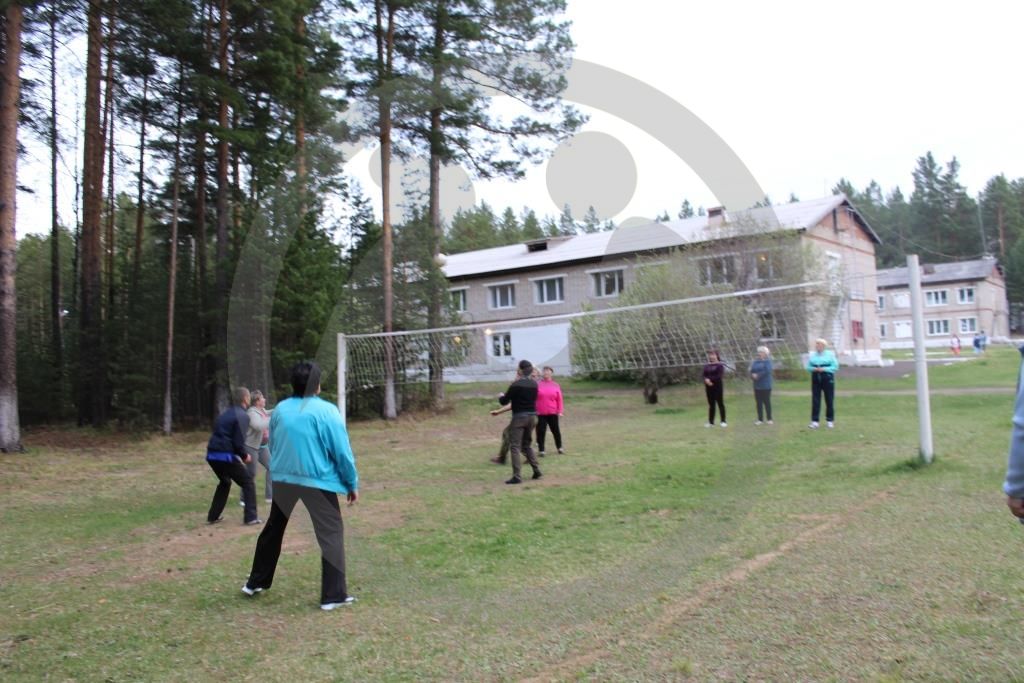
[804,93]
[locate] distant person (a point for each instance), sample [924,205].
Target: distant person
[761,373]
[257,440]
[714,387]
[310,460]
[823,365]
[977,343]
[1013,486]
[954,345]
[549,409]
[521,399]
[984,341]
[226,456]
[506,445]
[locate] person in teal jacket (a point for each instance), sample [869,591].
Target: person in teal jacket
[310,460]
[1013,486]
[823,365]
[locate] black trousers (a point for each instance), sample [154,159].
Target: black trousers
[325,513]
[822,383]
[763,397]
[228,472]
[543,422]
[715,394]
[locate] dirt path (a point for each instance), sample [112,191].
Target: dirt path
[570,668]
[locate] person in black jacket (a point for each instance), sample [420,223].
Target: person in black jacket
[226,455]
[521,399]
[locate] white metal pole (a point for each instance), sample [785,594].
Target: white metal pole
[924,409]
[342,367]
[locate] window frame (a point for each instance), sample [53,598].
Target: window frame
[496,338]
[596,280]
[539,289]
[960,325]
[463,297]
[942,322]
[492,295]
[934,294]
[961,299]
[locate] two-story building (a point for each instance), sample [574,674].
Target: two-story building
[961,298]
[504,286]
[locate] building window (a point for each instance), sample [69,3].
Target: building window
[937,327]
[772,327]
[901,300]
[936,297]
[883,330]
[768,265]
[550,291]
[607,283]
[858,329]
[503,296]
[968,325]
[501,344]
[458,299]
[716,270]
[881,302]
[903,329]
[965,295]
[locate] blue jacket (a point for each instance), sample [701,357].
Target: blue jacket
[763,370]
[826,359]
[1014,484]
[309,446]
[228,438]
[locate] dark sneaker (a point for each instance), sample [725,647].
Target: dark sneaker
[251,591]
[254,522]
[328,606]
[537,474]
[215,521]
[497,461]
[514,480]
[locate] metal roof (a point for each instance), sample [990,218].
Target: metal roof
[647,237]
[958,271]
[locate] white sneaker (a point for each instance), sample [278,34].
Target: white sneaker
[242,503]
[328,606]
[709,425]
[725,424]
[251,591]
[830,425]
[770,422]
[758,423]
[813,425]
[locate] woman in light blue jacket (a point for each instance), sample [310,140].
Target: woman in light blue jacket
[822,364]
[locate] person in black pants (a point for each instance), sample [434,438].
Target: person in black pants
[226,455]
[714,376]
[521,399]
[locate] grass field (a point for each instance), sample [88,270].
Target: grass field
[654,550]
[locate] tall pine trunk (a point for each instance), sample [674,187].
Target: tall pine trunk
[223,190]
[436,353]
[92,360]
[108,126]
[385,52]
[172,267]
[10,88]
[56,306]
[140,202]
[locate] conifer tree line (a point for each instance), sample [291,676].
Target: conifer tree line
[205,152]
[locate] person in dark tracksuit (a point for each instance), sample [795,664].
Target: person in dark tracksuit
[714,387]
[521,399]
[226,456]
[761,373]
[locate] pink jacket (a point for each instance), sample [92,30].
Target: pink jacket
[549,397]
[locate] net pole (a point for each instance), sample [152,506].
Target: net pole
[342,369]
[924,409]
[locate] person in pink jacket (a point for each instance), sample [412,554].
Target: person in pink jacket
[549,409]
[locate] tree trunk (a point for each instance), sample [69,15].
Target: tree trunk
[56,306]
[92,373]
[223,189]
[435,360]
[10,88]
[108,109]
[140,202]
[385,48]
[301,170]
[172,268]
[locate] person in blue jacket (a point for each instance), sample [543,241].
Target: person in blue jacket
[1013,486]
[761,374]
[226,456]
[310,460]
[823,365]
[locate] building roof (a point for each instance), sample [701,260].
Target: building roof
[651,236]
[958,271]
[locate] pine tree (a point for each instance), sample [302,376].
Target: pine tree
[686,210]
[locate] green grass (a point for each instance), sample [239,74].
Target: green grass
[654,550]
